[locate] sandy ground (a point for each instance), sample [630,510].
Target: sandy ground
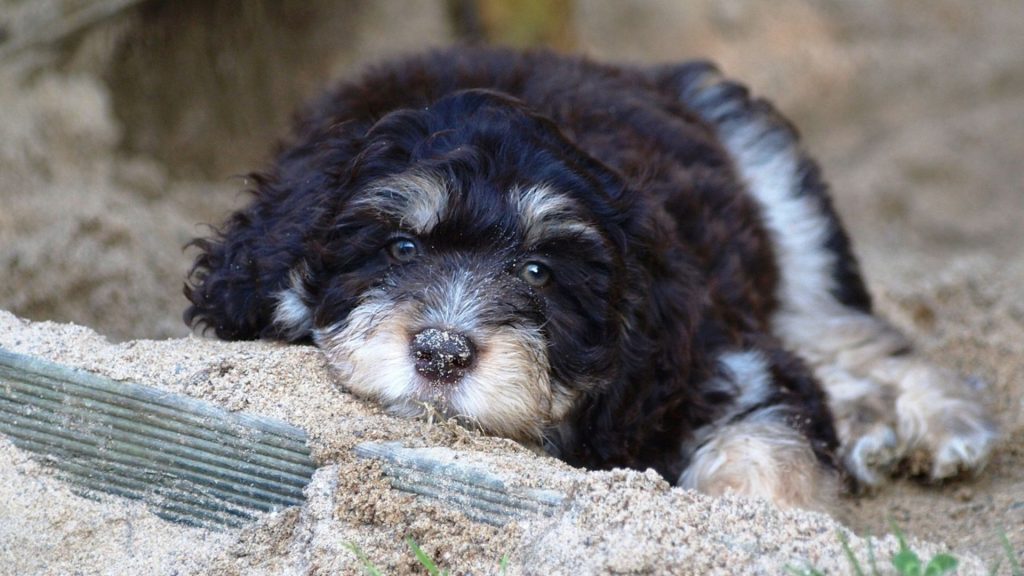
[614,522]
[914,114]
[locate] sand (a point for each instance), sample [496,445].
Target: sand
[621,521]
[914,115]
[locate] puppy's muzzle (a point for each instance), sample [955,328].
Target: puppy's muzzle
[442,355]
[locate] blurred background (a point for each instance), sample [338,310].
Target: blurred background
[126,124]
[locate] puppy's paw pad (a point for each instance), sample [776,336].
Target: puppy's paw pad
[871,457]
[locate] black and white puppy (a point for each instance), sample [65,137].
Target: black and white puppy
[633,267]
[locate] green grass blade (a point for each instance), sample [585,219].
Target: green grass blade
[899,536]
[854,563]
[364,560]
[871,557]
[423,559]
[1015,568]
[940,564]
[907,563]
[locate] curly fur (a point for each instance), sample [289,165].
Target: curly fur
[629,184]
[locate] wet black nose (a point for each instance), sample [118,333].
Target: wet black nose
[442,355]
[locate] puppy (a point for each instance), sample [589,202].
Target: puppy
[633,267]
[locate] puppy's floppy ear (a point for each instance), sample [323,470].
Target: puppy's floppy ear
[254,277]
[238,280]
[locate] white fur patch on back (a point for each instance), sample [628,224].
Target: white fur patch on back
[769,161]
[770,166]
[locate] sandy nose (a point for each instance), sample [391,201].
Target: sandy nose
[442,355]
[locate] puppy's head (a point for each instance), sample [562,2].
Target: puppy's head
[465,256]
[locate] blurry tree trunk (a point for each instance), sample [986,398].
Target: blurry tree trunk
[520,23]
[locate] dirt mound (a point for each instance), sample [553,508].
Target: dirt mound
[619,521]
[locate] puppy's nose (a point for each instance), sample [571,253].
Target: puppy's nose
[442,355]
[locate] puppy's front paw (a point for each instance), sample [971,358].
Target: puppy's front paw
[947,432]
[865,417]
[960,439]
[871,456]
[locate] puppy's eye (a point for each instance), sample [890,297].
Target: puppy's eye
[535,274]
[403,249]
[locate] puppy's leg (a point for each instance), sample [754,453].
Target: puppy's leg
[865,422]
[772,439]
[879,386]
[763,456]
[888,401]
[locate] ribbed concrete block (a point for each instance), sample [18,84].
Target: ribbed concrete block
[438,474]
[189,460]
